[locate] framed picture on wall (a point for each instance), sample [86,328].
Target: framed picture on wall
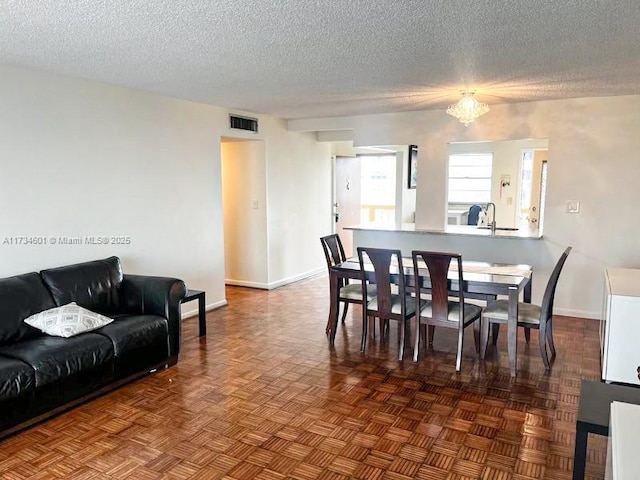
[413,166]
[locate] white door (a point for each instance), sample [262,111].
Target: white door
[347,206]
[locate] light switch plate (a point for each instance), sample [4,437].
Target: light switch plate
[573,206]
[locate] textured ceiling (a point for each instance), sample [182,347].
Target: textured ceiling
[310,58]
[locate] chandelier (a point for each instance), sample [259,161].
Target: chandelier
[467,109]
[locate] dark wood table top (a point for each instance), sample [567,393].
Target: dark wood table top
[596,398]
[192,295]
[479,277]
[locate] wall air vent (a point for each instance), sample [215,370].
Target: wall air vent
[244,123]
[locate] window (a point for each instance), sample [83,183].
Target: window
[470,178]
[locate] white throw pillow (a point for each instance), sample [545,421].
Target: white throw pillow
[67,321]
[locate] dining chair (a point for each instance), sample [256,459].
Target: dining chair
[388,303]
[348,292]
[474,214]
[440,310]
[529,315]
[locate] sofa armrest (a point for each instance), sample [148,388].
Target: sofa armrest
[149,295]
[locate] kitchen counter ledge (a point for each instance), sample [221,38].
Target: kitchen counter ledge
[467,230]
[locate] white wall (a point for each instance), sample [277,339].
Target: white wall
[298,202]
[593,158]
[244,199]
[84,158]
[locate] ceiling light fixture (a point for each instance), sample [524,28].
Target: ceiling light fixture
[467,109]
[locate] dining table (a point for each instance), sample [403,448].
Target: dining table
[482,281]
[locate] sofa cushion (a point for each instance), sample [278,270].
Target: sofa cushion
[16,378]
[135,332]
[20,297]
[93,285]
[67,321]
[54,358]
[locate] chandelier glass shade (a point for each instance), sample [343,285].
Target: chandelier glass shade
[467,109]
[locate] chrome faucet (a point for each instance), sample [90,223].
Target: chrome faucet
[492,224]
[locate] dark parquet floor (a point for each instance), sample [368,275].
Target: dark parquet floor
[264,397]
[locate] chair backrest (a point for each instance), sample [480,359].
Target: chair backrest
[438,264]
[386,264]
[333,250]
[474,213]
[546,309]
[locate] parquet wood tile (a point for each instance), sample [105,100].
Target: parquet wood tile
[263,396]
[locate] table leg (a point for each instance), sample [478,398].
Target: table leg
[332,322]
[580,453]
[527,290]
[512,342]
[484,329]
[527,299]
[202,316]
[484,336]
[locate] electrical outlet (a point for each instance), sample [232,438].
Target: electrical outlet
[573,206]
[254,204]
[509,200]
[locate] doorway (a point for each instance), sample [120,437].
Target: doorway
[533,185]
[365,192]
[244,196]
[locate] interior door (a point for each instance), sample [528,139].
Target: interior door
[348,199]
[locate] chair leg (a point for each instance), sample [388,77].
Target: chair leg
[365,324]
[476,334]
[552,347]
[484,336]
[527,334]
[416,346]
[459,354]
[372,323]
[432,330]
[345,308]
[542,340]
[402,334]
[495,330]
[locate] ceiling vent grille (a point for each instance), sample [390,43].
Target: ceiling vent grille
[243,123]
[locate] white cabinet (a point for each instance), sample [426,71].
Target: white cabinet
[620,326]
[623,462]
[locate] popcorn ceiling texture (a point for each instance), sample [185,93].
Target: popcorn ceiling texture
[303,58]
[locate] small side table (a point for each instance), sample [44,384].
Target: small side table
[202,314]
[593,415]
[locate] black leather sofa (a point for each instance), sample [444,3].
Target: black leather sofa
[41,375]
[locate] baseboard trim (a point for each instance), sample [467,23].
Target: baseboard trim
[208,308]
[571,312]
[295,278]
[276,284]
[244,283]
